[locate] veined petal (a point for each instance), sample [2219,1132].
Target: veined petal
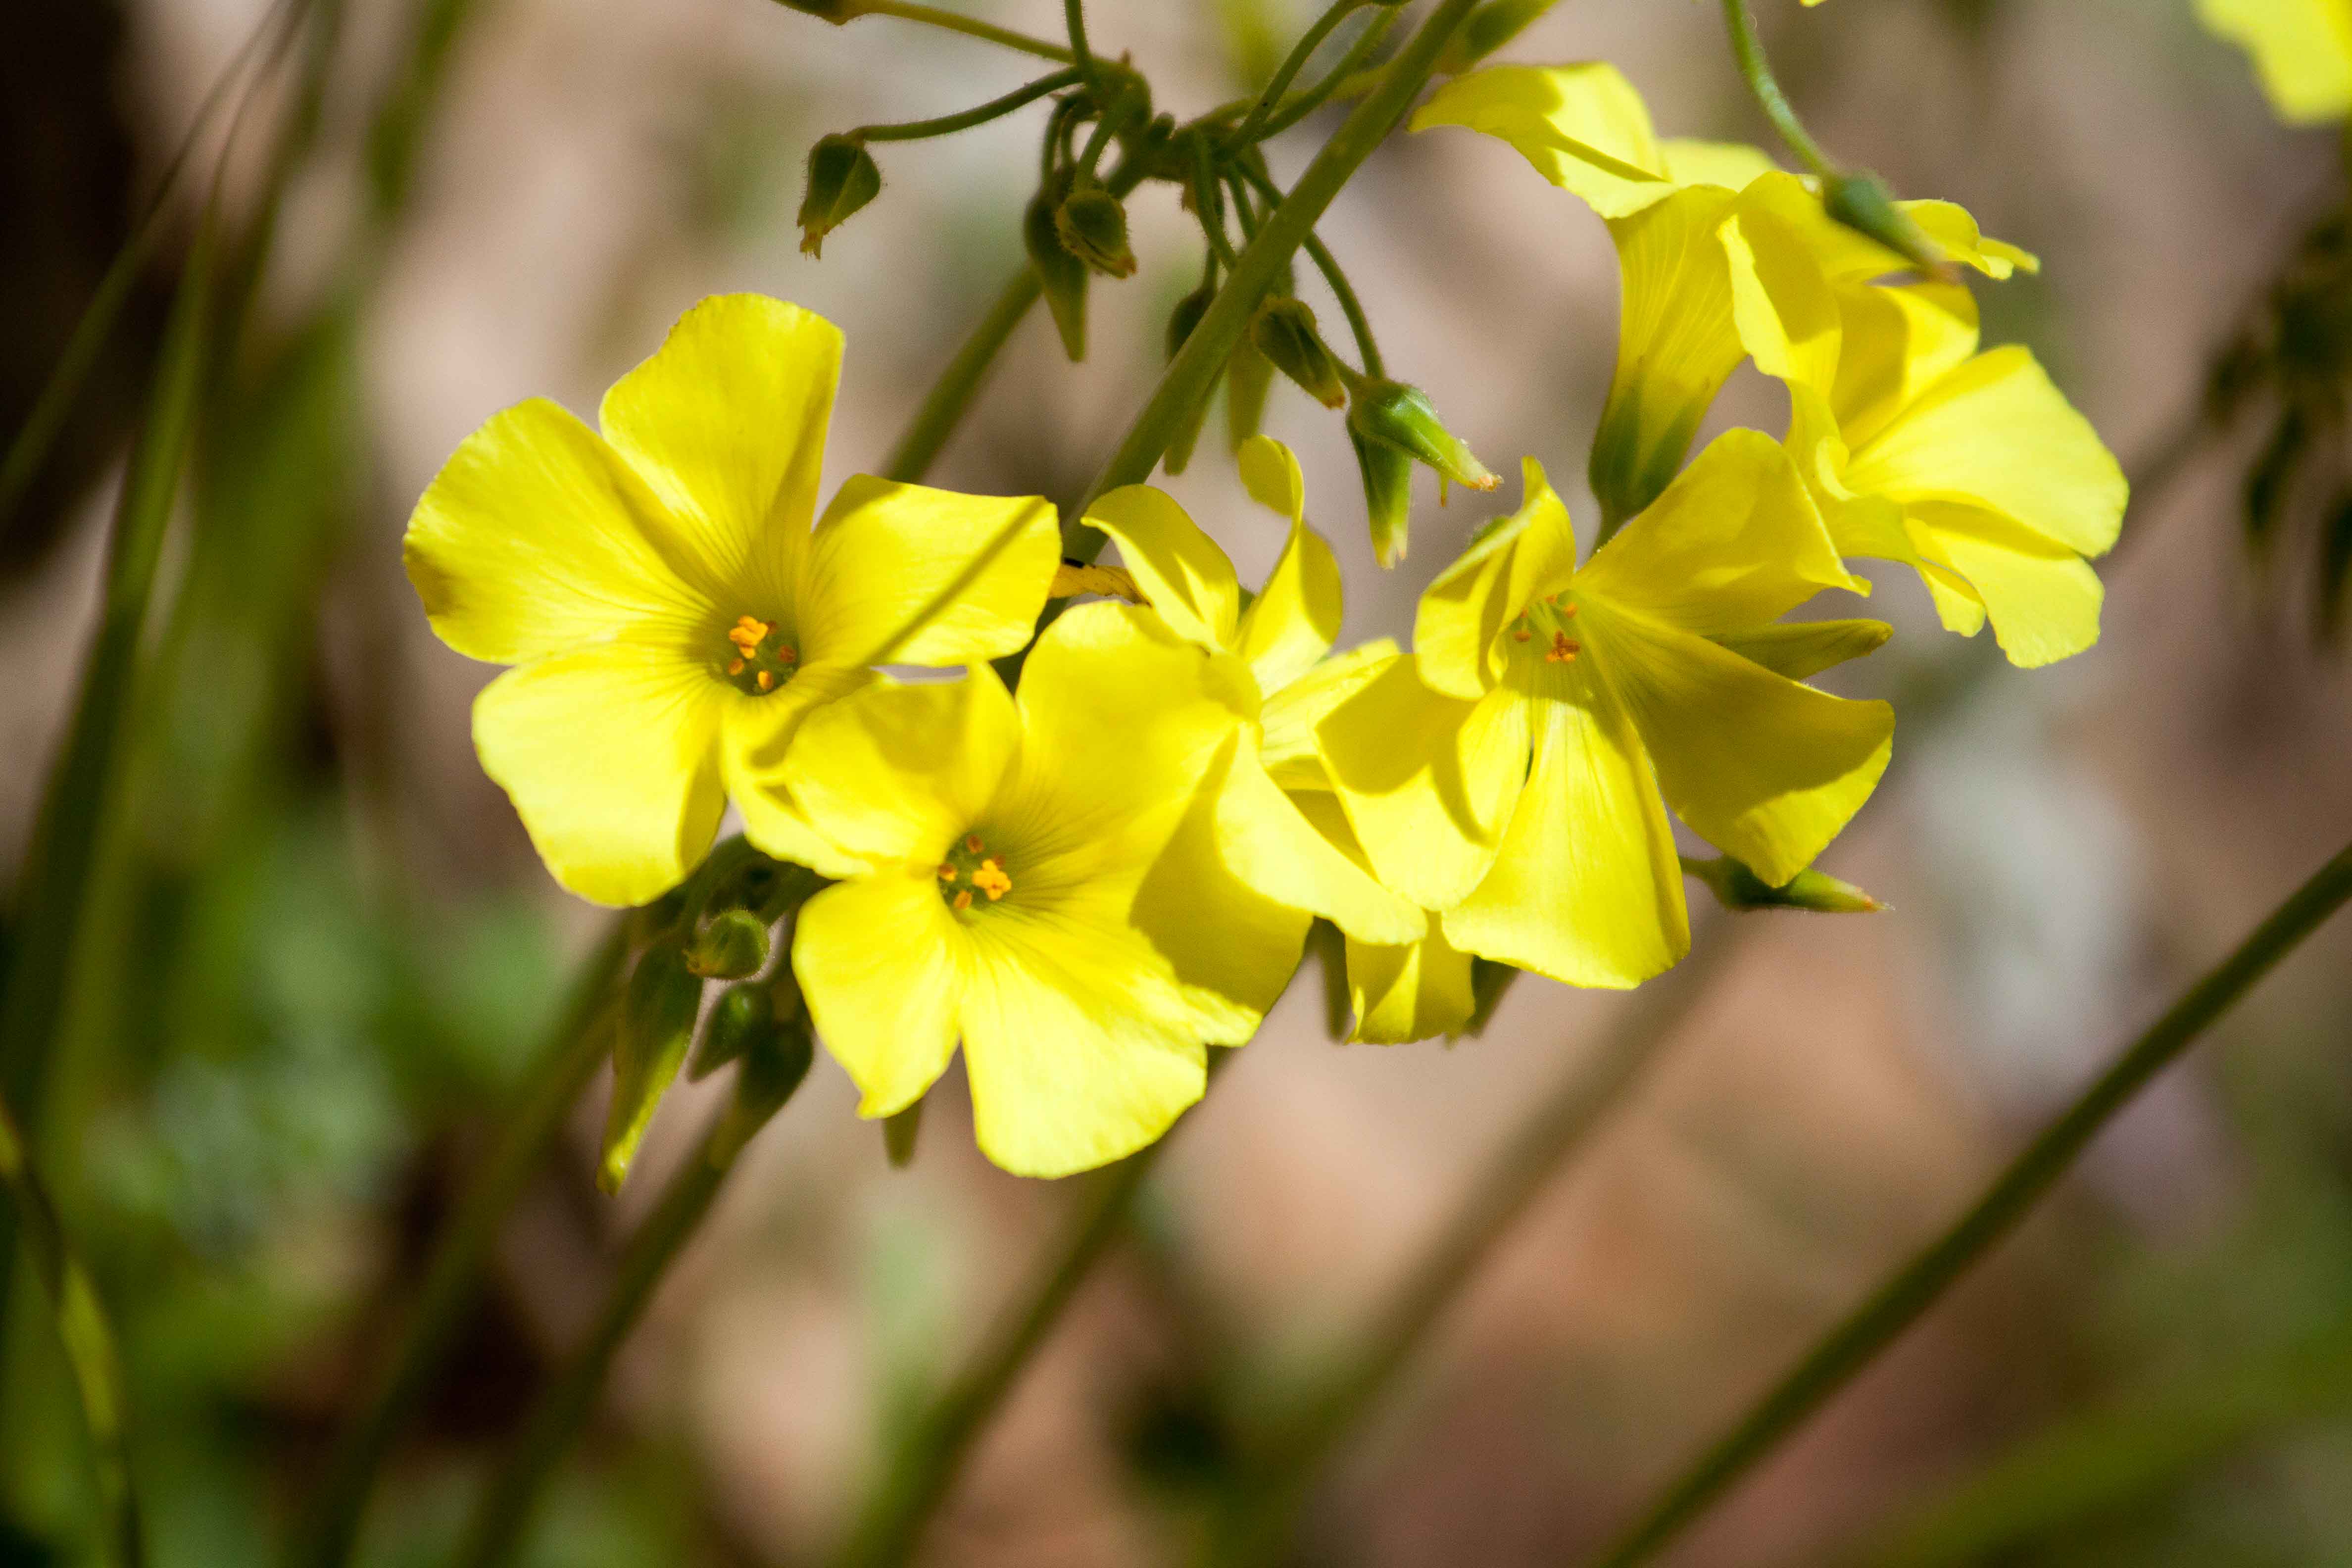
[611,754]
[883,965]
[2042,599]
[1782,301]
[1800,648]
[2302,50]
[1849,255]
[1287,724]
[534,540]
[907,575]
[892,774]
[1427,780]
[1588,888]
[1898,341]
[727,422]
[1763,768]
[1730,165]
[1413,992]
[1261,837]
[1181,570]
[756,735]
[1735,541]
[1295,616]
[1581,126]
[1464,612]
[1995,433]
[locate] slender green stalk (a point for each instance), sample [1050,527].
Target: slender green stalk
[925,1461]
[1913,1289]
[953,393]
[1189,377]
[1074,13]
[1348,73]
[453,1280]
[1756,71]
[1359,324]
[956,22]
[88,1340]
[564,1406]
[1256,1529]
[1253,125]
[948,124]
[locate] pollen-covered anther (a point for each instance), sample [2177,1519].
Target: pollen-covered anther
[971,869]
[989,879]
[761,661]
[1563,649]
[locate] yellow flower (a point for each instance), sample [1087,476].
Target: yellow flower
[1018,877]
[1510,772]
[1969,467]
[1722,255]
[671,615]
[2302,50]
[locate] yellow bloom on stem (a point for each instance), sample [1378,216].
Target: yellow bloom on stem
[1721,255]
[2302,51]
[671,615]
[1018,877]
[1971,467]
[1515,769]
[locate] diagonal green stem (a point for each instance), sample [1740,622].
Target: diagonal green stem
[956,22]
[952,394]
[1359,324]
[1253,125]
[1747,49]
[89,1343]
[1336,81]
[1898,1303]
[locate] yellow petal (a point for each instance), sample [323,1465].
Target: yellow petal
[1427,780]
[1952,228]
[883,965]
[611,754]
[1587,888]
[2042,599]
[1187,578]
[1462,614]
[727,422]
[1995,433]
[907,575]
[1735,541]
[534,540]
[1732,165]
[1782,301]
[757,734]
[2302,50]
[1290,625]
[1800,648]
[1763,768]
[892,774]
[1261,837]
[1270,473]
[1582,127]
[1413,992]
[1286,723]
[1898,343]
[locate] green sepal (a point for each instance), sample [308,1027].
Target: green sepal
[774,1064]
[1393,414]
[900,1130]
[1386,474]
[736,1019]
[1860,200]
[1248,377]
[841,178]
[1180,321]
[1285,333]
[734,944]
[1800,648]
[1490,27]
[1092,226]
[657,1025]
[1735,887]
[1489,982]
[1061,276]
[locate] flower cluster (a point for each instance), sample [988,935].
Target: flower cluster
[1085,873]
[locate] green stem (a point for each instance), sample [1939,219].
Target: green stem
[1253,125]
[1359,324]
[1898,1303]
[565,1404]
[1256,1531]
[1189,375]
[944,409]
[970,26]
[925,1461]
[1074,14]
[1336,81]
[1748,50]
[995,109]
[453,1280]
[88,1340]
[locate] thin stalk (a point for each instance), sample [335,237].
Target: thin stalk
[88,1340]
[948,124]
[1913,1289]
[1253,125]
[1074,14]
[1348,73]
[564,1406]
[453,1281]
[958,384]
[970,26]
[1189,375]
[925,1461]
[1756,71]
[1257,1529]
[1359,324]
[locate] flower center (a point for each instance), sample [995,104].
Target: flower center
[1549,620]
[758,661]
[970,871]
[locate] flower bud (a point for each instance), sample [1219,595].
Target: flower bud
[1862,202]
[1181,322]
[734,944]
[1061,276]
[1388,495]
[656,1024]
[841,178]
[900,1131]
[1389,413]
[738,1016]
[775,1059]
[1284,331]
[1735,887]
[1092,227]
[1248,375]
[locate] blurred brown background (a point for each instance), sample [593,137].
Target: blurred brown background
[334,942]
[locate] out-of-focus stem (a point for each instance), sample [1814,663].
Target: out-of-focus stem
[970,26]
[1360,325]
[1756,71]
[1254,125]
[980,114]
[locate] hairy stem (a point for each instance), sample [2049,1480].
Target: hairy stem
[1360,325]
[1336,80]
[1756,71]
[970,26]
[1253,125]
[947,124]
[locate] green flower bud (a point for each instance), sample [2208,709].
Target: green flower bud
[899,1133]
[1735,887]
[1284,331]
[657,1025]
[1062,275]
[1092,227]
[734,944]
[1862,202]
[736,1019]
[1389,413]
[1388,494]
[1181,322]
[841,178]
[1248,376]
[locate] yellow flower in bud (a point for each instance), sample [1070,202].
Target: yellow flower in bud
[1515,771]
[2302,51]
[1019,876]
[672,618]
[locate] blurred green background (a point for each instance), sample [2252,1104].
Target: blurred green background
[319,952]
